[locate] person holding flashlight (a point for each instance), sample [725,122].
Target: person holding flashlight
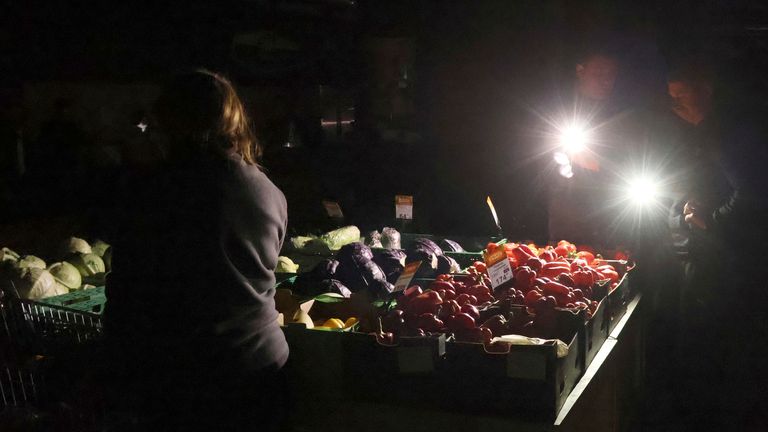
[719,228]
[573,200]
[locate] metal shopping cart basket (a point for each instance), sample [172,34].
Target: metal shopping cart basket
[43,329]
[19,386]
[32,337]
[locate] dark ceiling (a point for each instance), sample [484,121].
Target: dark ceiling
[140,40]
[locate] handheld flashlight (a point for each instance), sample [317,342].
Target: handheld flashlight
[642,191]
[574,138]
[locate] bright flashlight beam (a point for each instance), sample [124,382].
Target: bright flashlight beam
[573,139]
[643,191]
[562,158]
[566,171]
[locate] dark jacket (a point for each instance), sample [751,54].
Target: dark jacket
[192,286]
[723,169]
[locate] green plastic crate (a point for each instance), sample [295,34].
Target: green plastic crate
[90,300]
[470,244]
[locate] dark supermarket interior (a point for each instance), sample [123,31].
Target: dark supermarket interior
[383,214]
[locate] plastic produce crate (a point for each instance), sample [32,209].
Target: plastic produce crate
[390,374]
[315,362]
[90,300]
[469,243]
[286,283]
[617,301]
[280,277]
[465,259]
[422,282]
[527,381]
[595,333]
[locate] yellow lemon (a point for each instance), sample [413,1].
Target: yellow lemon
[334,323]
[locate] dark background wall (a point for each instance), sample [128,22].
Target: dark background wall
[435,87]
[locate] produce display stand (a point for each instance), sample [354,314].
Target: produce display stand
[602,399]
[345,380]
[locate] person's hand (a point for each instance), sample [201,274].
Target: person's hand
[689,207]
[692,217]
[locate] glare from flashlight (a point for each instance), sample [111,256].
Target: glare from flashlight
[573,139]
[562,158]
[643,191]
[566,171]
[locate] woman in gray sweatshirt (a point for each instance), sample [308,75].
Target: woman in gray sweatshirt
[191,320]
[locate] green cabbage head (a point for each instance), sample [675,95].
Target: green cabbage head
[75,245]
[66,274]
[8,255]
[30,261]
[99,247]
[34,284]
[88,264]
[108,258]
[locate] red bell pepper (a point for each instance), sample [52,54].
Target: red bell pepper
[524,275]
[583,278]
[555,289]
[427,302]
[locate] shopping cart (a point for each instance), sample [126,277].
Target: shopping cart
[36,328]
[39,344]
[19,386]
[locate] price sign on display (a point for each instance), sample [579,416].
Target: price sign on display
[405,277]
[498,266]
[404,207]
[333,209]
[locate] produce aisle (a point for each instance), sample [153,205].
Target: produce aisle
[393,330]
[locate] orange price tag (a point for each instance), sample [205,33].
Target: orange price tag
[406,276]
[404,206]
[333,209]
[498,266]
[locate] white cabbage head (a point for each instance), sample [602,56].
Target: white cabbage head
[75,245]
[99,247]
[66,274]
[35,284]
[8,255]
[88,264]
[30,261]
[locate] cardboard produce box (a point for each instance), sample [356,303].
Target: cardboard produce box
[524,380]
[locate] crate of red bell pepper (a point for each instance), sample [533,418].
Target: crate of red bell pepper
[517,374]
[471,315]
[620,289]
[571,277]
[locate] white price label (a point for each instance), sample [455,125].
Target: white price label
[333,209]
[404,207]
[498,266]
[406,276]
